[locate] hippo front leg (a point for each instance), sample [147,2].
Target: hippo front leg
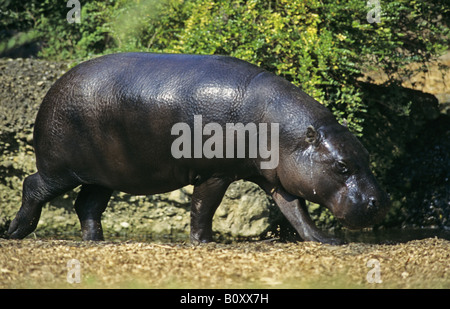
[294,209]
[205,200]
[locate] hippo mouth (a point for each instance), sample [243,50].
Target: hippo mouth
[359,209]
[351,225]
[356,220]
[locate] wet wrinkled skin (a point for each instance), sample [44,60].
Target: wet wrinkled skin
[331,163]
[106,125]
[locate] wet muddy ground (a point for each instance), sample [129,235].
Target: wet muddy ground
[34,263]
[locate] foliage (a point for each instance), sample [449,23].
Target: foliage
[284,37]
[321,46]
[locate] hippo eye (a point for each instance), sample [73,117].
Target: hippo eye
[342,167]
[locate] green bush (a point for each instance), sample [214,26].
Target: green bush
[321,46]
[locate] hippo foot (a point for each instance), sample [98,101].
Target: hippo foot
[323,238]
[22,225]
[197,238]
[294,209]
[92,230]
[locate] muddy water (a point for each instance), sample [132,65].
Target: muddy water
[369,236]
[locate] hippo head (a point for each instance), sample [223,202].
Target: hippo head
[331,167]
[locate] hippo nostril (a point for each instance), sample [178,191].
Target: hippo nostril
[372,204]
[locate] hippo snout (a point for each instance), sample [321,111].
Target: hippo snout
[368,212]
[372,204]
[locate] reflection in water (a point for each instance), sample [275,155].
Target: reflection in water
[392,236]
[383,236]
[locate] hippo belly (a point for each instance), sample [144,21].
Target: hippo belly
[114,127]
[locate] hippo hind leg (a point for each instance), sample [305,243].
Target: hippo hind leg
[205,200]
[36,192]
[89,206]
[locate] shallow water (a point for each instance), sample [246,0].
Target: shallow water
[382,236]
[392,236]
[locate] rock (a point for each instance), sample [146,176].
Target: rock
[245,211]
[29,139]
[179,197]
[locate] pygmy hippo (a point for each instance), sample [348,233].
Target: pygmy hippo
[146,123]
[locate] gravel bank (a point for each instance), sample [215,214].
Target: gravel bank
[43,264]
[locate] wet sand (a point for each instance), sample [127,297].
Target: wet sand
[34,263]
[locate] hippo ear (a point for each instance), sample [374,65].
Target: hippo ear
[311,135]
